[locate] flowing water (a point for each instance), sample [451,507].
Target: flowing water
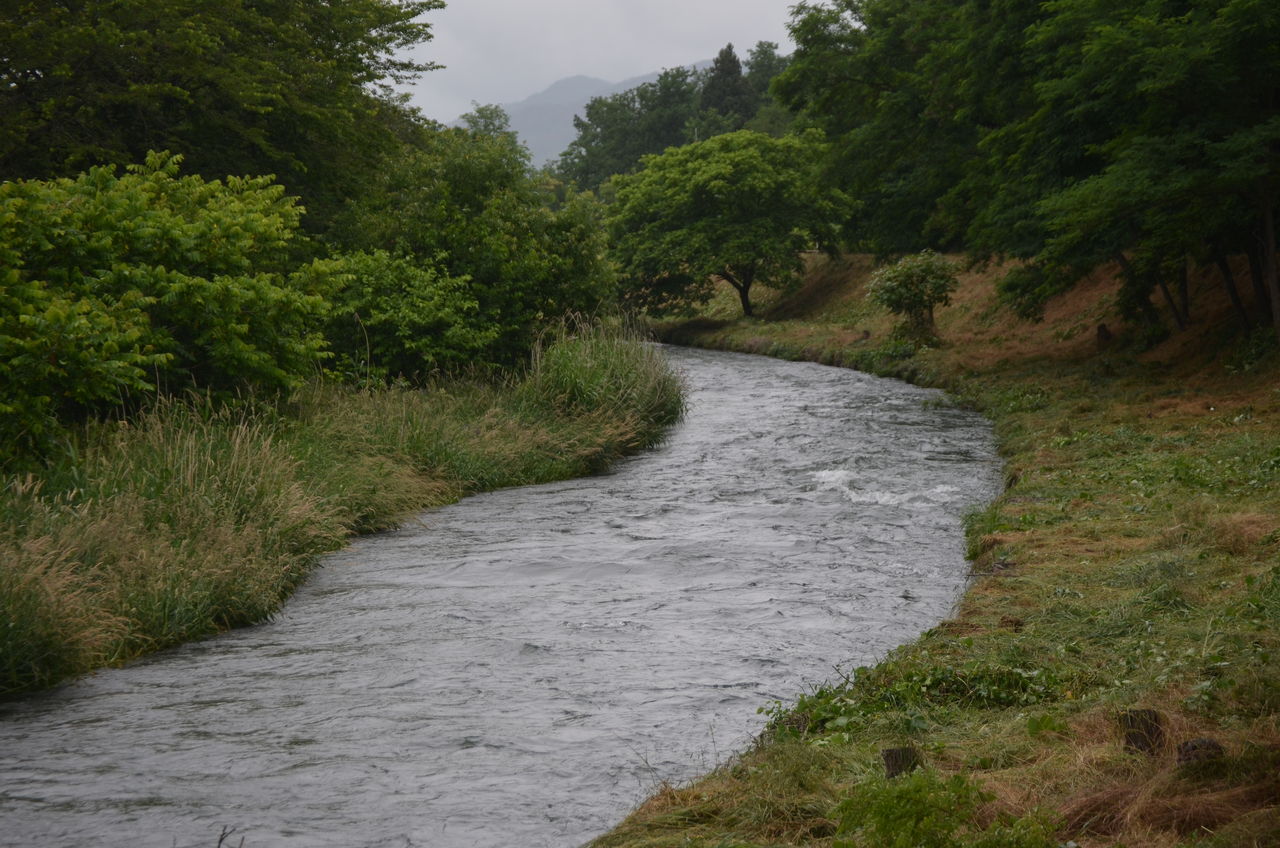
[519,669]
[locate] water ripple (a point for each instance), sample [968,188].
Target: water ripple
[521,668]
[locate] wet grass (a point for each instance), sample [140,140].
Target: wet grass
[192,519]
[1133,562]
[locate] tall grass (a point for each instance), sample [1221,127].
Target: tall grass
[191,519]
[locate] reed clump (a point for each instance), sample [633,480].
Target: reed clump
[194,517]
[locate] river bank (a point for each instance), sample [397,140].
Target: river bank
[190,520]
[1130,565]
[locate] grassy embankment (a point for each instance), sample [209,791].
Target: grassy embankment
[1130,564]
[189,520]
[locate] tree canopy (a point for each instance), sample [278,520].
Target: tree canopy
[465,201]
[298,90]
[1071,134]
[740,207]
[681,106]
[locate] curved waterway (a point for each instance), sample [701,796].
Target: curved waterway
[522,667]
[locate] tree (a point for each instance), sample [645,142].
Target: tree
[294,89]
[869,74]
[616,131]
[464,203]
[912,287]
[764,64]
[740,207]
[726,91]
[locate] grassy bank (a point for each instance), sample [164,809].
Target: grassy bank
[189,520]
[1131,564]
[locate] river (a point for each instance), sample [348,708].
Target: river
[521,668]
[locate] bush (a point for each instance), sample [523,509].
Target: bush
[912,287]
[467,197]
[395,317]
[116,286]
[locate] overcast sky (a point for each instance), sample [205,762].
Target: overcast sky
[502,51]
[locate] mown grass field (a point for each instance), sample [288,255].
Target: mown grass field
[191,518]
[1133,563]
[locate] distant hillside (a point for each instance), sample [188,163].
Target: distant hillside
[544,120]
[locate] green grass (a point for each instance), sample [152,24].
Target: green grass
[1132,562]
[191,518]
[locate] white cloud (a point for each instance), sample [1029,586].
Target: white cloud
[501,51]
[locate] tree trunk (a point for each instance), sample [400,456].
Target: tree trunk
[1269,259]
[742,285]
[1229,283]
[1168,298]
[1148,309]
[1184,289]
[1262,301]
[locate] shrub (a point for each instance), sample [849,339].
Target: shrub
[116,286]
[912,287]
[395,317]
[467,197]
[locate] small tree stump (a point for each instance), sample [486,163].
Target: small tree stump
[1143,731]
[900,760]
[1200,750]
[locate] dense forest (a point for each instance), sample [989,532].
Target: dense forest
[1065,136]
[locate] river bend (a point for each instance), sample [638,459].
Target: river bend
[522,667]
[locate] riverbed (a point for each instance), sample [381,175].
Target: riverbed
[522,667]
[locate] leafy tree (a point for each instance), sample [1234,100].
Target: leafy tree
[867,73]
[237,86]
[912,287]
[617,130]
[739,207]
[1182,115]
[464,203]
[1072,134]
[764,64]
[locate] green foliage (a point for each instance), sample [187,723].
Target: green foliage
[1075,133]
[465,201]
[393,317]
[912,287]
[293,89]
[925,810]
[726,91]
[123,285]
[615,132]
[888,82]
[740,206]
